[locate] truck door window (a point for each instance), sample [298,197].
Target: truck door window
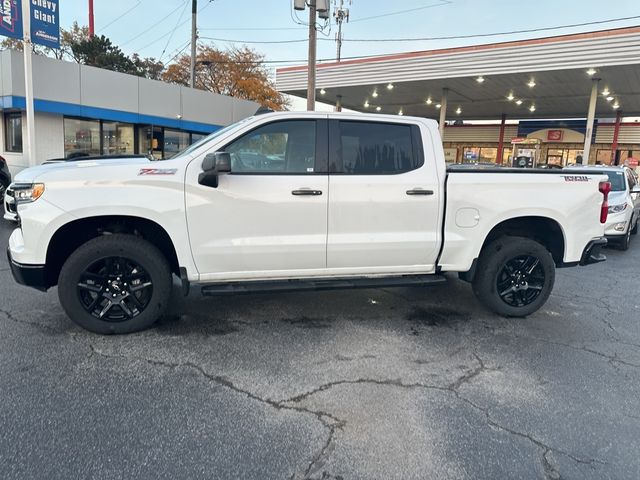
[373,148]
[287,147]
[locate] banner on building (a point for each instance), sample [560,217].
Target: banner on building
[11,24]
[45,21]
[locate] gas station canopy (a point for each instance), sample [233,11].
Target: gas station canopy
[541,78]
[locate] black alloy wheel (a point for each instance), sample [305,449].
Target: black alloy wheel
[514,276]
[520,281]
[115,289]
[115,284]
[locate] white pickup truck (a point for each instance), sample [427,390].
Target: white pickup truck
[298,201]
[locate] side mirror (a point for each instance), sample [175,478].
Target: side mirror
[213,165]
[636,189]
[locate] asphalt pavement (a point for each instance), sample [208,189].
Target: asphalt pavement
[366,384]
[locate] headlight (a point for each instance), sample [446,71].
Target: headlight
[617,208]
[27,192]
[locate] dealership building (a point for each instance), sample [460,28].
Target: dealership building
[87,110]
[557,100]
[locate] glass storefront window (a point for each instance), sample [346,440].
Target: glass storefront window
[174,142]
[555,156]
[196,137]
[574,156]
[488,155]
[151,141]
[470,155]
[117,139]
[13,132]
[506,156]
[603,157]
[81,137]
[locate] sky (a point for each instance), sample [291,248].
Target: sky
[161,28]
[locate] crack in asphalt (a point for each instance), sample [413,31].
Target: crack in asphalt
[329,421]
[550,471]
[9,315]
[612,359]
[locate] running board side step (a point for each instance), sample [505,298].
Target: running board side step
[302,285]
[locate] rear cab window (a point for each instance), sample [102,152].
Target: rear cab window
[375,148]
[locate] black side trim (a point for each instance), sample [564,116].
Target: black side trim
[234,288]
[592,252]
[33,276]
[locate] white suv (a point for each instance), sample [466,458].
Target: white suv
[624,206]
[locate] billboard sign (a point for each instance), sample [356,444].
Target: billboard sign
[11,19]
[45,21]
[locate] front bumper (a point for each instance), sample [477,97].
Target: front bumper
[29,275]
[592,252]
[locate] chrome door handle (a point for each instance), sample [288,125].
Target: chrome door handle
[419,191]
[306,191]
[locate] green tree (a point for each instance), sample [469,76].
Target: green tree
[100,52]
[148,67]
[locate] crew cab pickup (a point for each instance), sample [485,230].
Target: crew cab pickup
[298,201]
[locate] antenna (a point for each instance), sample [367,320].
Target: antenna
[341,15]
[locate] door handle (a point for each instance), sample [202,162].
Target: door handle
[306,191]
[419,191]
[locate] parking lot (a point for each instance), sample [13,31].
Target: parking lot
[387,383]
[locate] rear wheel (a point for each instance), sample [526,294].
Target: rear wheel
[115,284]
[515,276]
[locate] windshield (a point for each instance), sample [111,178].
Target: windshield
[617,181]
[190,149]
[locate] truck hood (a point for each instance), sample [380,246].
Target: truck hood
[30,175]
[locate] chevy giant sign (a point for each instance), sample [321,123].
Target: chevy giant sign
[45,21]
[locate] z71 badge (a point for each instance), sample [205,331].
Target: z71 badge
[158,171]
[576,178]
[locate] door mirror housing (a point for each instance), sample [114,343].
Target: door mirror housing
[636,189]
[213,165]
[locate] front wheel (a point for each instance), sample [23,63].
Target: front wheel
[515,276]
[115,284]
[625,240]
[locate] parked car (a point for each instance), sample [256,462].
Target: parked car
[624,204]
[81,156]
[5,177]
[329,200]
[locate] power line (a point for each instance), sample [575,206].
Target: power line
[102,29]
[180,25]
[155,24]
[495,34]
[173,31]
[420,39]
[400,12]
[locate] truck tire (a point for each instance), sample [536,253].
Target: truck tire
[115,284]
[515,276]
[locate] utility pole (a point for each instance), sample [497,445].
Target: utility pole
[194,41]
[92,25]
[313,40]
[341,14]
[316,8]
